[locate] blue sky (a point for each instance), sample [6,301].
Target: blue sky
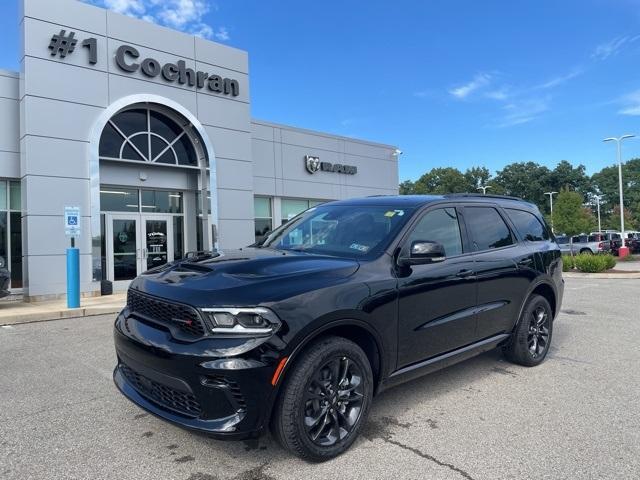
[451,83]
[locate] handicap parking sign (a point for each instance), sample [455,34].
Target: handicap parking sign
[72,221]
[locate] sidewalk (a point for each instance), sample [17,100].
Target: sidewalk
[13,312]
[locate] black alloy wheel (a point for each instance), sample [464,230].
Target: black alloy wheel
[531,339]
[324,399]
[538,338]
[333,401]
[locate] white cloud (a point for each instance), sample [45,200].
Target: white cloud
[556,81]
[184,15]
[500,94]
[613,47]
[630,104]
[524,111]
[481,80]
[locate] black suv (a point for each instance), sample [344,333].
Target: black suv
[345,300]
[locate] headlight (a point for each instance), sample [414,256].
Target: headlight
[258,321]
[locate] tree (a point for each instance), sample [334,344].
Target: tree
[613,221]
[567,177]
[477,177]
[441,180]
[407,188]
[606,181]
[525,180]
[570,216]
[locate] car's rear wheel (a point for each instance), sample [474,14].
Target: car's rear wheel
[586,251]
[531,340]
[325,400]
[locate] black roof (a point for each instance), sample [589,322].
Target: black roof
[408,201]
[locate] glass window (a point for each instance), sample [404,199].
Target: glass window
[178,237]
[159,201]
[130,133]
[291,208]
[340,230]
[263,222]
[487,228]
[528,225]
[199,207]
[4,251]
[440,226]
[562,240]
[262,207]
[15,200]
[16,249]
[3,195]
[117,199]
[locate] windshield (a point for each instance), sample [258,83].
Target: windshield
[340,230]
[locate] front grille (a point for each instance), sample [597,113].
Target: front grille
[186,319]
[177,400]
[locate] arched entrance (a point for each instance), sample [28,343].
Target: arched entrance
[138,224]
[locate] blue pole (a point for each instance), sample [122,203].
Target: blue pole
[73,278]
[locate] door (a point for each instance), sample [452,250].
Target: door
[437,301]
[136,243]
[123,249]
[158,241]
[504,268]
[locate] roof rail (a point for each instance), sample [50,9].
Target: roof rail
[482,195]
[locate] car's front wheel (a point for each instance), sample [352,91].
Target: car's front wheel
[531,340]
[325,400]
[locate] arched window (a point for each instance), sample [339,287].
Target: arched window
[144,134]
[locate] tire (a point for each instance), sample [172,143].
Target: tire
[312,387]
[532,337]
[586,251]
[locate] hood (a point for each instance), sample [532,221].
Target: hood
[246,277]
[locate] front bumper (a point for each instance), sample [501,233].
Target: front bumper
[190,383]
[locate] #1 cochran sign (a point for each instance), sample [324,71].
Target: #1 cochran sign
[72,221]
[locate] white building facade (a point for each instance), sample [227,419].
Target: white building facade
[149,132]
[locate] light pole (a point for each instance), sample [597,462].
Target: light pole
[598,198]
[551,194]
[624,251]
[484,189]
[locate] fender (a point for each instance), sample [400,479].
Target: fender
[541,280]
[308,338]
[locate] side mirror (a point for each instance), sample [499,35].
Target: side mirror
[422,252]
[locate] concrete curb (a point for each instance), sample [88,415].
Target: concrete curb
[603,275]
[33,317]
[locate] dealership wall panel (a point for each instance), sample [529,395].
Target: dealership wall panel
[141,126]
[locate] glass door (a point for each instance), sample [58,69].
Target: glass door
[123,249]
[157,248]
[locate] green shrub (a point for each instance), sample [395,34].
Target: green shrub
[568,263]
[594,263]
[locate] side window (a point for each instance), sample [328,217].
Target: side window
[487,228]
[440,226]
[528,225]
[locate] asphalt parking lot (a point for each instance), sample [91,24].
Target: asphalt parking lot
[575,416]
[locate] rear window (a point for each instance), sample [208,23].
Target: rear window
[528,225]
[488,229]
[562,240]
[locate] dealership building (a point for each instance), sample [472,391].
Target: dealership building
[148,132]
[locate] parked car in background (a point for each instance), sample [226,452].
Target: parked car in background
[5,278]
[564,242]
[589,244]
[613,237]
[633,242]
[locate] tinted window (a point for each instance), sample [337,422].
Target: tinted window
[440,226]
[562,240]
[528,225]
[487,227]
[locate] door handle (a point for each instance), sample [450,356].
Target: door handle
[464,273]
[525,262]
